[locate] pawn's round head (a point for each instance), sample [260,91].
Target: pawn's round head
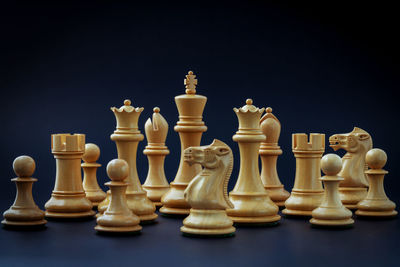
[117,169]
[92,153]
[331,164]
[24,166]
[376,158]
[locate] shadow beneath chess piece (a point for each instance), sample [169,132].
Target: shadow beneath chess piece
[148,222]
[256,225]
[333,227]
[118,234]
[297,217]
[170,215]
[188,235]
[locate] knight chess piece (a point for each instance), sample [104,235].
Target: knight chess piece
[331,212]
[68,199]
[156,184]
[190,128]
[307,192]
[269,152]
[118,218]
[252,204]
[24,212]
[357,143]
[127,137]
[376,203]
[207,193]
[92,189]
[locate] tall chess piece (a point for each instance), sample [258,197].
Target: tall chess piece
[68,199]
[269,152]
[353,188]
[127,137]
[307,192]
[331,213]
[92,189]
[156,184]
[376,203]
[190,128]
[24,212]
[252,204]
[207,193]
[118,218]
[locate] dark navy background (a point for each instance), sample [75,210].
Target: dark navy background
[322,68]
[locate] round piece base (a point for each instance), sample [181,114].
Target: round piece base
[70,215]
[196,232]
[105,229]
[376,214]
[252,220]
[332,223]
[148,218]
[280,204]
[174,211]
[351,206]
[38,223]
[302,213]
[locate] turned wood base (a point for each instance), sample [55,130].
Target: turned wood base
[131,229]
[332,223]
[70,215]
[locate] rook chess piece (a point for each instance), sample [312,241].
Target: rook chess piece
[269,152]
[376,203]
[156,184]
[24,212]
[190,128]
[68,199]
[207,193]
[92,189]
[118,218]
[307,192]
[252,204]
[331,213]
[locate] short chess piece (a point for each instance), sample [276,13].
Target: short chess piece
[68,199]
[156,184]
[376,204]
[190,128]
[207,193]
[331,212]
[269,152]
[307,192]
[252,205]
[92,189]
[118,218]
[357,143]
[24,212]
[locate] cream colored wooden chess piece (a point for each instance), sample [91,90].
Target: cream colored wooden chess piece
[156,184]
[118,218]
[307,192]
[127,137]
[252,204]
[269,152]
[353,188]
[92,189]
[190,128]
[331,213]
[68,199]
[376,203]
[207,193]
[24,212]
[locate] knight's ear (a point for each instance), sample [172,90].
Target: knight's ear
[363,136]
[223,150]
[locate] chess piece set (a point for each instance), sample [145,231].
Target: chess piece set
[199,191]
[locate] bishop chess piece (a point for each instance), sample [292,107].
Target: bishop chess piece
[269,152]
[92,189]
[68,199]
[24,212]
[331,213]
[353,188]
[376,204]
[156,184]
[127,137]
[252,204]
[307,192]
[207,193]
[118,218]
[190,128]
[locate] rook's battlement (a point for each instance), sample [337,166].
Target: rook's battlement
[300,142]
[68,142]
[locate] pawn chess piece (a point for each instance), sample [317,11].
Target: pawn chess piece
[68,199]
[331,213]
[92,189]
[269,152]
[307,192]
[156,184]
[190,128]
[118,218]
[207,193]
[252,204]
[376,203]
[24,212]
